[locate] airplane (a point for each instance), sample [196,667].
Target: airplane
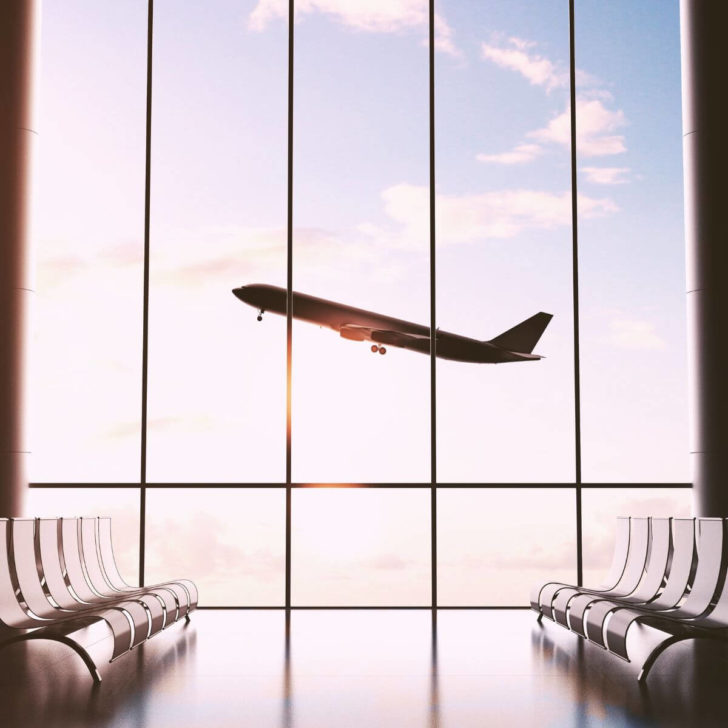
[356,324]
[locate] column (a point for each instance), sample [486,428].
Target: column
[705,157]
[18,27]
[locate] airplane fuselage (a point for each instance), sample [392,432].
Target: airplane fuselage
[361,325]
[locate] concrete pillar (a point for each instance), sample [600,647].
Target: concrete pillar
[704,41]
[18,28]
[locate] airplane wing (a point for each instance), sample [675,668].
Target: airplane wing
[355,332]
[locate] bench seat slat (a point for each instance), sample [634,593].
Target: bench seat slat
[649,585]
[543,595]
[639,543]
[183,590]
[680,566]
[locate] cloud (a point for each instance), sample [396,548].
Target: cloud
[556,556]
[206,256]
[635,335]
[218,550]
[520,154]
[490,215]
[386,562]
[444,38]
[606,175]
[515,56]
[203,257]
[373,16]
[595,127]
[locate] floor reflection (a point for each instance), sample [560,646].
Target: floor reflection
[343,669]
[434,677]
[686,687]
[46,683]
[287,697]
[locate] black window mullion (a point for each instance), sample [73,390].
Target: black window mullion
[575,298]
[289,298]
[433,312]
[145,313]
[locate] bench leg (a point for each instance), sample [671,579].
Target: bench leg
[80,651]
[652,657]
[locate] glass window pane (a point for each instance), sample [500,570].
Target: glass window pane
[360,239]
[504,240]
[88,230]
[217,377]
[633,364]
[361,547]
[231,543]
[600,508]
[119,504]
[494,545]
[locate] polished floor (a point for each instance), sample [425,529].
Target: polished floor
[344,669]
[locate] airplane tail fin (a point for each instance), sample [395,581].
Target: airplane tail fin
[524,336]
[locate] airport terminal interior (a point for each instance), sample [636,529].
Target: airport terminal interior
[364,508]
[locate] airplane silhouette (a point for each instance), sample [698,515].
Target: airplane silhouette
[356,324]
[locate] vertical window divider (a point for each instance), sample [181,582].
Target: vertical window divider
[575,296]
[145,311]
[433,310]
[289,299]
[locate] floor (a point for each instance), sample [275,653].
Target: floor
[353,668]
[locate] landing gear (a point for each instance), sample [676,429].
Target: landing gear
[382,350]
[376,348]
[260,315]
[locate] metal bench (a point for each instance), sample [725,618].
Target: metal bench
[59,576]
[680,592]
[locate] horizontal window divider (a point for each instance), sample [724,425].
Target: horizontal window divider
[595,486]
[84,485]
[213,608]
[310,608]
[444,486]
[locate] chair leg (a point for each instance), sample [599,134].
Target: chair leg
[652,657]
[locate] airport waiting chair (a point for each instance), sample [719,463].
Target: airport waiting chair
[49,584]
[639,545]
[164,610]
[148,616]
[642,579]
[677,579]
[543,595]
[185,590]
[57,582]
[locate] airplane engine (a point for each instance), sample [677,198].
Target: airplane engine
[352,334]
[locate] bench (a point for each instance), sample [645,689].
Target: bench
[668,574]
[58,576]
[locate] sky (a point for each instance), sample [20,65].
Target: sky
[218,220]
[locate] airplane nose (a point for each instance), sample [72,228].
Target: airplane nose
[240,292]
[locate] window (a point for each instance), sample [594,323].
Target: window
[387,505]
